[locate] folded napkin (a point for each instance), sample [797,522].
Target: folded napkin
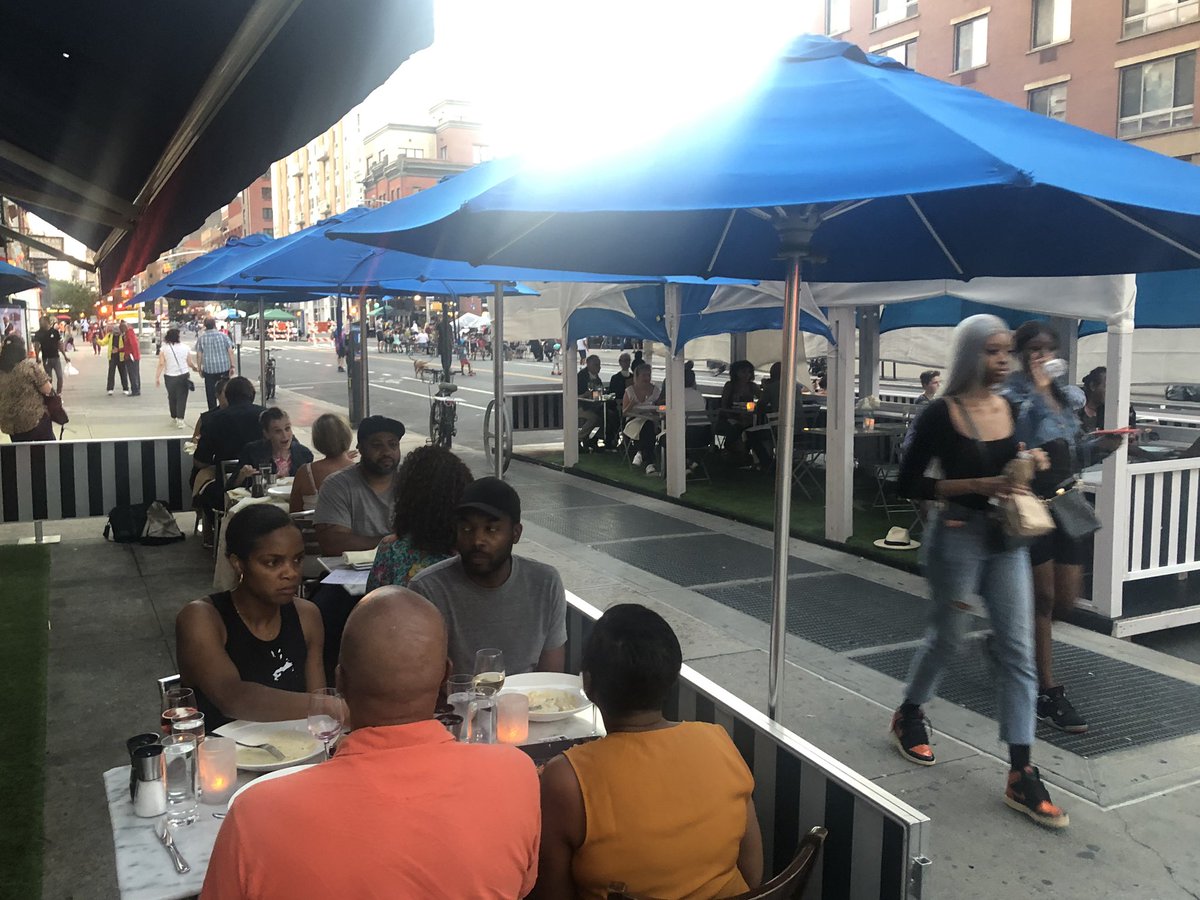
[359,558]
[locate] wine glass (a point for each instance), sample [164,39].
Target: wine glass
[177,704]
[326,715]
[489,670]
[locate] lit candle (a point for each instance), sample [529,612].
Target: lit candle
[512,719]
[218,769]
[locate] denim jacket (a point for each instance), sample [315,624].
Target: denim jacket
[1038,423]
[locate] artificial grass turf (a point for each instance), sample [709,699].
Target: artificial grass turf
[24,612]
[748,496]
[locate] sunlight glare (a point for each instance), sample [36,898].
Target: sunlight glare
[560,82]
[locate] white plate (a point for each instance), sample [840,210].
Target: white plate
[279,490]
[278,773]
[554,681]
[250,760]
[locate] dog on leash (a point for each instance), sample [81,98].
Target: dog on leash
[420,365]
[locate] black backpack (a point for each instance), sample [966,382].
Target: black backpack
[1188,393]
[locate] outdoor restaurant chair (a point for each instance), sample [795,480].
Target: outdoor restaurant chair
[787,885]
[887,476]
[807,448]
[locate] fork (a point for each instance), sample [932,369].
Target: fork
[163,832]
[270,748]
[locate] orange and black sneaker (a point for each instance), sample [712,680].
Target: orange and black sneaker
[912,734]
[1026,794]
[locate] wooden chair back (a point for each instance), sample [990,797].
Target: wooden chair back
[787,885]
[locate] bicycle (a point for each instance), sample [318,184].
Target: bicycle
[443,415]
[269,376]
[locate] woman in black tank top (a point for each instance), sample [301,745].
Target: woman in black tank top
[256,651]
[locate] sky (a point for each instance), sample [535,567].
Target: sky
[565,80]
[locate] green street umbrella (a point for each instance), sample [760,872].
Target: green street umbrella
[275,315]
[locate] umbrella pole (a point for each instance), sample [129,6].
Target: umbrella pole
[262,350]
[498,374]
[364,392]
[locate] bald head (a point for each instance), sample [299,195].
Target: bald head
[393,658]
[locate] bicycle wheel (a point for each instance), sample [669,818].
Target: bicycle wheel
[489,438]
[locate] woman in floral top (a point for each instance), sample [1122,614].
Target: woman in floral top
[429,486]
[24,385]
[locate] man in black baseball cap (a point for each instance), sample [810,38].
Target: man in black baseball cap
[491,598]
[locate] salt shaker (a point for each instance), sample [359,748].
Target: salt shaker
[149,789]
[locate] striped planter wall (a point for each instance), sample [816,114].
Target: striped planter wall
[537,412]
[877,844]
[77,479]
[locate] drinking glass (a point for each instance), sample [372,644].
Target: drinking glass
[489,670]
[325,715]
[459,691]
[179,760]
[177,703]
[193,724]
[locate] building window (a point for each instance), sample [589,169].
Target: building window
[837,16]
[267,214]
[1144,16]
[443,152]
[1051,22]
[1050,101]
[266,193]
[1158,95]
[269,232]
[889,11]
[905,54]
[480,153]
[412,152]
[970,44]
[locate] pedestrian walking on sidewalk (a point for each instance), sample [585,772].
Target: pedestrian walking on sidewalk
[94,337]
[116,360]
[1046,419]
[131,352]
[970,431]
[214,358]
[24,387]
[174,361]
[48,342]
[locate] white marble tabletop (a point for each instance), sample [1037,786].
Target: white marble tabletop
[144,869]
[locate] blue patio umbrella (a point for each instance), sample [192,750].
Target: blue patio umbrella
[14,280]
[191,271]
[848,165]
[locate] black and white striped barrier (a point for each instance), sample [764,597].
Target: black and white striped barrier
[539,410]
[77,479]
[877,847]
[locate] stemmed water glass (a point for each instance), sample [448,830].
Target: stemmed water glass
[326,715]
[489,670]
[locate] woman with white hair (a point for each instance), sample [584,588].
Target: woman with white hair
[969,431]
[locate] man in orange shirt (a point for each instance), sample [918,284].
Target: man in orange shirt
[401,810]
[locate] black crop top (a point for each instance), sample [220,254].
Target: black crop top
[935,437]
[278,663]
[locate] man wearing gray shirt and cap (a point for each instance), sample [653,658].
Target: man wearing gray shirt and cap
[491,598]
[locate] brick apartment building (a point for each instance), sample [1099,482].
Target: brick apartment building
[1123,68]
[403,159]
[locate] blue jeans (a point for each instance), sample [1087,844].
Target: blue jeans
[960,561]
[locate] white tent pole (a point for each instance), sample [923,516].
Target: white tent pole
[570,387]
[783,480]
[498,374]
[868,353]
[839,439]
[262,350]
[676,452]
[1111,552]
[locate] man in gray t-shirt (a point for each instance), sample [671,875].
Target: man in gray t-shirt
[491,598]
[354,506]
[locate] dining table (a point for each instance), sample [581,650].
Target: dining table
[145,870]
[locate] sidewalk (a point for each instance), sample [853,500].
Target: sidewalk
[1132,785]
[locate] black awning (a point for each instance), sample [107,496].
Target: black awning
[94,98]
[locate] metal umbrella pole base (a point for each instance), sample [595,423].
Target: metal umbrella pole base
[39,537]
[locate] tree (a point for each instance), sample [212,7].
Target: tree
[78,299]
